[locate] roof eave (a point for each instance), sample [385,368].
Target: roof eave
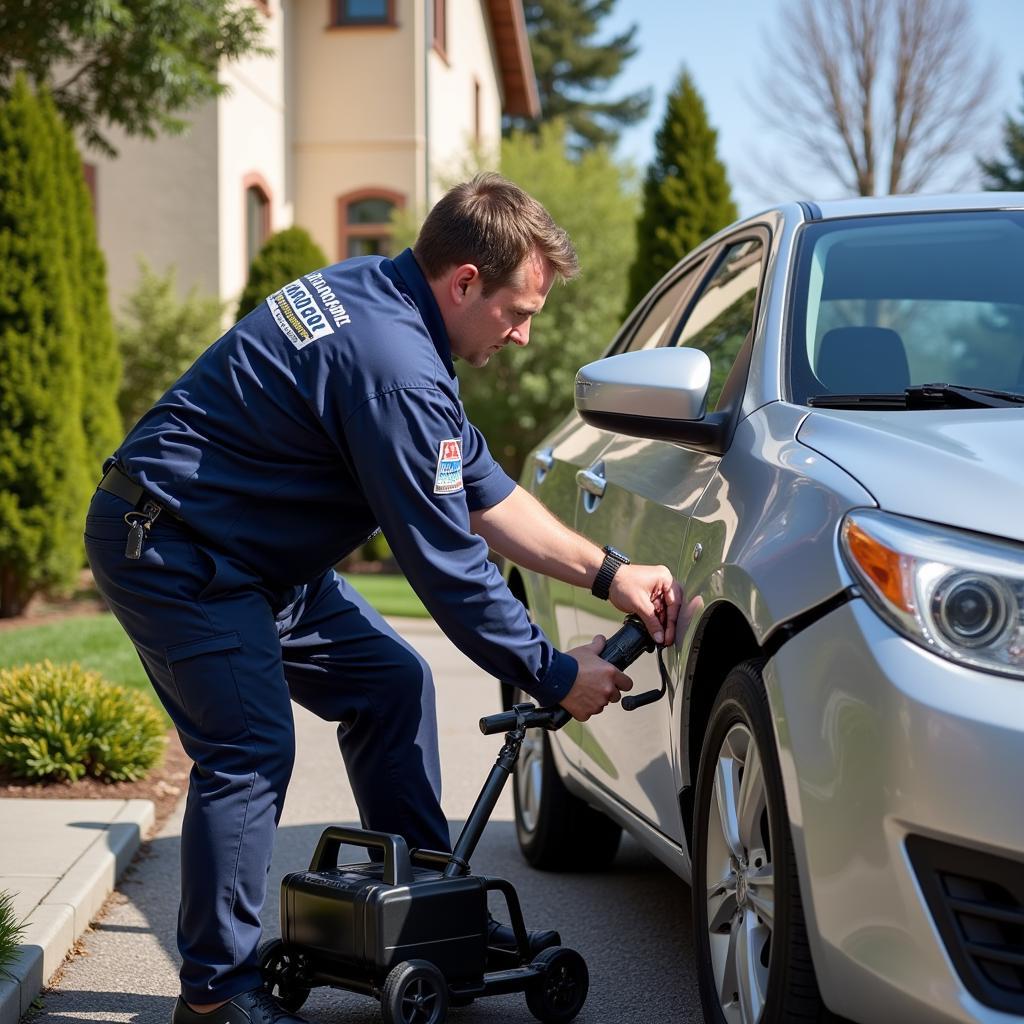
[515,64]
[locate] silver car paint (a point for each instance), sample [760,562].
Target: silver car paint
[879,738]
[932,465]
[876,735]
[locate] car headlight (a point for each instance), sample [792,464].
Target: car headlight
[959,594]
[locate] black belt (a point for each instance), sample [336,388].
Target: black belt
[135,494]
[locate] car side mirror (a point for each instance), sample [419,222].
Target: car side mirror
[658,393]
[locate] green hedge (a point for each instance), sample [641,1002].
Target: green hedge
[63,723]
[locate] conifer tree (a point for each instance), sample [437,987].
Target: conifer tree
[43,483]
[686,195]
[1007,175]
[87,279]
[285,256]
[573,71]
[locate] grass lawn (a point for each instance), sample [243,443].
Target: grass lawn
[97,642]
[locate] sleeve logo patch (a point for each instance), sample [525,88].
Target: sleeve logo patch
[298,314]
[448,477]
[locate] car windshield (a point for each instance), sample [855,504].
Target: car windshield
[886,303]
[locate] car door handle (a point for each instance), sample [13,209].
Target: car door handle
[544,459]
[592,481]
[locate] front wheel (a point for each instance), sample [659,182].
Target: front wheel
[415,992]
[556,830]
[284,974]
[558,995]
[753,959]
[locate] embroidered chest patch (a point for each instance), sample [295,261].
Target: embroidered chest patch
[448,477]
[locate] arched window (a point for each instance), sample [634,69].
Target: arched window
[257,215]
[364,222]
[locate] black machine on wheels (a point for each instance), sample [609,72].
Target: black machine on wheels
[411,927]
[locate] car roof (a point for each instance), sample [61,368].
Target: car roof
[830,209]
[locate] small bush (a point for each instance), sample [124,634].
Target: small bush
[284,257]
[11,931]
[63,723]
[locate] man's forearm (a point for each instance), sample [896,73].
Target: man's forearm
[521,529]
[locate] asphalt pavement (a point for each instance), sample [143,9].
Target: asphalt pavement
[631,923]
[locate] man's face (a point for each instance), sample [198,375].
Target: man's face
[479,325]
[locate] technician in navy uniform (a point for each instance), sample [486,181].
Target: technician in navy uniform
[330,411]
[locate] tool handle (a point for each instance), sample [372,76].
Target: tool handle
[551,718]
[627,644]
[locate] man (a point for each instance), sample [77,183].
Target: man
[330,411]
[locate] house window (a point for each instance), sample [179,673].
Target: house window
[257,216]
[364,222]
[362,12]
[440,27]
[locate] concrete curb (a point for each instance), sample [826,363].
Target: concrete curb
[66,910]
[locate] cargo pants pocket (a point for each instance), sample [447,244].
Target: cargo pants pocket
[204,675]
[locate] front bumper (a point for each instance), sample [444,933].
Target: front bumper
[879,741]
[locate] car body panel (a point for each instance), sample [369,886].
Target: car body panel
[879,738]
[932,464]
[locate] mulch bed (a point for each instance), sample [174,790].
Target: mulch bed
[164,785]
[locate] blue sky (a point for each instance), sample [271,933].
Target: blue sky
[722,42]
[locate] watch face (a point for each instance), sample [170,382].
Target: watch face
[615,553]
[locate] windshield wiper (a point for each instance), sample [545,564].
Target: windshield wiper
[923,396]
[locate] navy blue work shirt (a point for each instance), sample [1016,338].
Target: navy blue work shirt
[329,411]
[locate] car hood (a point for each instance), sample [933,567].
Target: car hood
[961,467]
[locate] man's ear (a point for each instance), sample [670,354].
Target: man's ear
[461,281]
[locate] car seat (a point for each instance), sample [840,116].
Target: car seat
[863,360]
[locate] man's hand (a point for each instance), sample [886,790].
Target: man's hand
[598,682]
[650,592]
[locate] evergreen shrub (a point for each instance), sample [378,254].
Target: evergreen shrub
[11,931]
[62,723]
[285,256]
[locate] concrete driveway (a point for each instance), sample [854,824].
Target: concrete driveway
[631,923]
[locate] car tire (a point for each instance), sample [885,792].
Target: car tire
[556,830]
[753,957]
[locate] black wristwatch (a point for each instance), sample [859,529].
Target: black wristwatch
[609,567]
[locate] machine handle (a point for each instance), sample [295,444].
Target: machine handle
[592,481]
[397,869]
[528,715]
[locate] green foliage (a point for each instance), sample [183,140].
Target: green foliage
[11,931]
[43,476]
[131,63]
[285,256]
[686,195]
[63,723]
[87,279]
[1007,175]
[572,69]
[159,336]
[524,392]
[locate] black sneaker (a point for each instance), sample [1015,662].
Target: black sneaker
[255,1007]
[501,943]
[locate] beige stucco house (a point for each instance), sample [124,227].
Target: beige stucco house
[362,106]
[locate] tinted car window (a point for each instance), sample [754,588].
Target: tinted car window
[885,303]
[658,325]
[722,316]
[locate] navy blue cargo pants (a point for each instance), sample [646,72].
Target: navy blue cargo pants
[225,653]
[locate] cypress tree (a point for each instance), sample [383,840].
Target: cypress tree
[42,481]
[100,361]
[1007,175]
[285,256]
[686,195]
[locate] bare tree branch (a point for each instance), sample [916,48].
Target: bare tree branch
[876,91]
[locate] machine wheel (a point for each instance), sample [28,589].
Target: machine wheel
[560,992]
[415,992]
[753,958]
[556,830]
[283,973]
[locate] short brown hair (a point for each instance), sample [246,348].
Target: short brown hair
[493,224]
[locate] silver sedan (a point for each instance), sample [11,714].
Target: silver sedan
[816,420]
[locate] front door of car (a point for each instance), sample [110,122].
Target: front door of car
[638,495]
